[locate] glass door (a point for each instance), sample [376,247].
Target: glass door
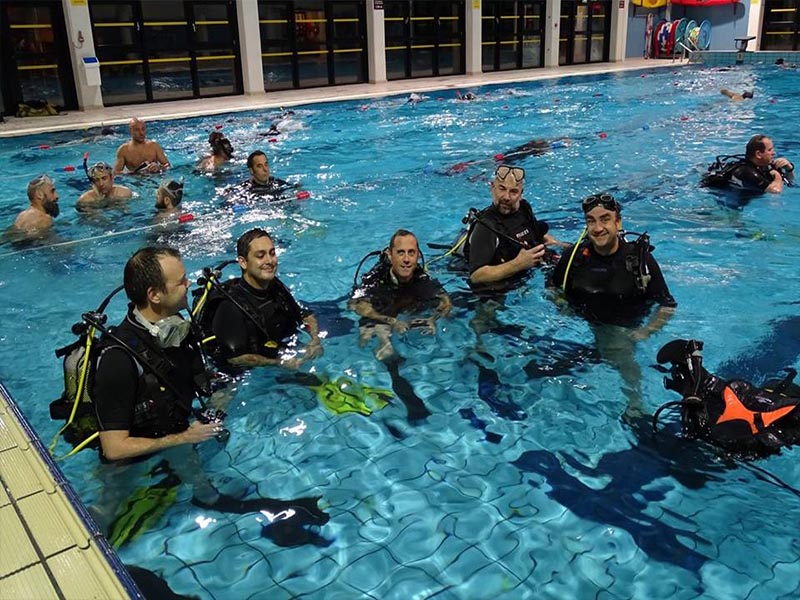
[424,39]
[780,29]
[312,43]
[512,35]
[585,28]
[155,51]
[36,60]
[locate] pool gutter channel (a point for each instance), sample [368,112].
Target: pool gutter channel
[115,580]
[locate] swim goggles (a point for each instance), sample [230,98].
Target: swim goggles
[173,189]
[503,171]
[98,169]
[607,201]
[42,179]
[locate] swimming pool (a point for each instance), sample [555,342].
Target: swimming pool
[570,501]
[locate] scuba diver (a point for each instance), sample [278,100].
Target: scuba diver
[735,96]
[757,171]
[261,185]
[221,152]
[103,191]
[505,240]
[248,321]
[140,382]
[398,285]
[734,415]
[613,283]
[609,279]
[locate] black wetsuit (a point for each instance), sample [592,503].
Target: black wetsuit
[491,238]
[129,396]
[274,187]
[390,297]
[274,309]
[605,289]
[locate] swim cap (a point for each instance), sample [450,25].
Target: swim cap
[173,189]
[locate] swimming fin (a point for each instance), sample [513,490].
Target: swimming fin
[142,509]
[305,509]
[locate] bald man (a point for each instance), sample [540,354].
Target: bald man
[38,217]
[140,155]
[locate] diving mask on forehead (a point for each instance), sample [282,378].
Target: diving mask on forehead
[503,171]
[169,331]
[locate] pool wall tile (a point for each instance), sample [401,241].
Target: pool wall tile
[45,516]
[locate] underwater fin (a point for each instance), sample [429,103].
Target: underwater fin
[142,509]
[306,511]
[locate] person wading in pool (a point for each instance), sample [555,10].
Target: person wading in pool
[613,284]
[261,180]
[140,155]
[103,191]
[505,240]
[143,393]
[253,317]
[398,286]
[38,217]
[221,152]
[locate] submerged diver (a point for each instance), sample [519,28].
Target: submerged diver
[104,191]
[613,284]
[536,147]
[252,317]
[38,217]
[506,240]
[221,152]
[398,285]
[757,171]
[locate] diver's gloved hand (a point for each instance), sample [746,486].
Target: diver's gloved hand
[304,510]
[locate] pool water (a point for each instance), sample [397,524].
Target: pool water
[525,481]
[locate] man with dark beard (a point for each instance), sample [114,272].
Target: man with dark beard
[38,217]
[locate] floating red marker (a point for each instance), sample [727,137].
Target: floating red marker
[217,126]
[44,147]
[69,168]
[602,135]
[186,218]
[499,157]
[684,118]
[272,140]
[302,195]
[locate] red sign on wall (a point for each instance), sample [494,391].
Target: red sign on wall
[622,3]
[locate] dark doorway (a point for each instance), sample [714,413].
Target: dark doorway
[512,35]
[780,29]
[35,56]
[154,51]
[585,27]
[424,39]
[312,43]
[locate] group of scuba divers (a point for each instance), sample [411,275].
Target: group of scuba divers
[139,384]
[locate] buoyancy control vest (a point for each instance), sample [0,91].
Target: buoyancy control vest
[509,240]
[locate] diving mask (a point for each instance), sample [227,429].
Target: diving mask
[169,331]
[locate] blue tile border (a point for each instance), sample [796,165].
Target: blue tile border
[731,57]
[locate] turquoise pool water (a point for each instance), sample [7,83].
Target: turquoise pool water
[524,481]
